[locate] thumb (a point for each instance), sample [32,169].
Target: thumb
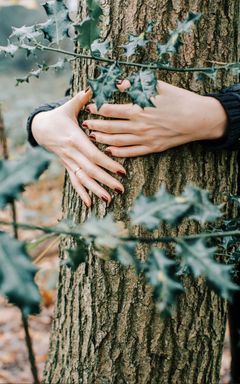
[78,102]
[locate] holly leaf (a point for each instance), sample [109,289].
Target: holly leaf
[30,49]
[9,49]
[151,211]
[202,209]
[35,73]
[143,88]
[100,49]
[77,255]
[88,32]
[56,28]
[94,9]
[104,86]
[160,273]
[135,42]
[16,174]
[25,33]
[210,73]
[126,255]
[199,259]
[104,232]
[17,276]
[174,42]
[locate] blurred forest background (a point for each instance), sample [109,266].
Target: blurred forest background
[41,203]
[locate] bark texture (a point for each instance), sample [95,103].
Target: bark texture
[106,329]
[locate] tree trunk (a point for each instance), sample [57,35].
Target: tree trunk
[106,329]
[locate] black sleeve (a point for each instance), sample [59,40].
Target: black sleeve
[42,108]
[230,100]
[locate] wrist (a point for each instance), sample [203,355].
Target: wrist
[215,119]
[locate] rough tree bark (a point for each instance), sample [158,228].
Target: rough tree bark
[106,329]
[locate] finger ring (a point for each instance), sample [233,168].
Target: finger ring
[76,171]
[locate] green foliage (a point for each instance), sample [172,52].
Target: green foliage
[199,259]
[77,255]
[194,204]
[56,28]
[17,276]
[174,42]
[16,174]
[25,33]
[9,49]
[134,43]
[160,273]
[143,88]
[104,86]
[88,30]
[100,49]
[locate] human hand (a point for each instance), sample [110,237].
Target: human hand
[180,117]
[59,132]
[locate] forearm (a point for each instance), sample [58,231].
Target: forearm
[42,108]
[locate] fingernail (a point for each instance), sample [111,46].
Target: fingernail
[105,199]
[92,137]
[84,125]
[119,191]
[119,82]
[87,89]
[108,151]
[87,109]
[87,205]
[121,173]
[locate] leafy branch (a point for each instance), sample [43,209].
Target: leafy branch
[87,35]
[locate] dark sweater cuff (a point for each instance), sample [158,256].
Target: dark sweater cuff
[230,100]
[42,108]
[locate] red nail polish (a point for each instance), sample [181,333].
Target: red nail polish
[92,137]
[84,125]
[105,199]
[119,191]
[108,151]
[121,173]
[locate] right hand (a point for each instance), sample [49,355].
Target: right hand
[59,132]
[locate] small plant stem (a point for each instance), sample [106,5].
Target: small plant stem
[5,154]
[132,64]
[164,239]
[31,355]
[43,254]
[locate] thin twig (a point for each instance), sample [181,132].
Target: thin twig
[31,355]
[137,65]
[163,239]
[43,254]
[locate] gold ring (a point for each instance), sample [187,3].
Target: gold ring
[76,171]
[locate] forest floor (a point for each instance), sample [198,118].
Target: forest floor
[41,204]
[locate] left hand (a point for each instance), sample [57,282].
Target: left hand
[180,117]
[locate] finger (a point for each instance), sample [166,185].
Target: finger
[109,126]
[91,152]
[89,183]
[123,85]
[117,140]
[79,188]
[118,111]
[134,151]
[79,101]
[95,172]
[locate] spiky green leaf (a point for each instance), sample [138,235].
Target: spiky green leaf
[77,255]
[9,49]
[135,42]
[56,28]
[24,33]
[174,42]
[16,174]
[160,273]
[17,276]
[143,88]
[88,32]
[105,85]
[94,9]
[100,49]
[125,254]
[199,259]
[151,211]
[210,73]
